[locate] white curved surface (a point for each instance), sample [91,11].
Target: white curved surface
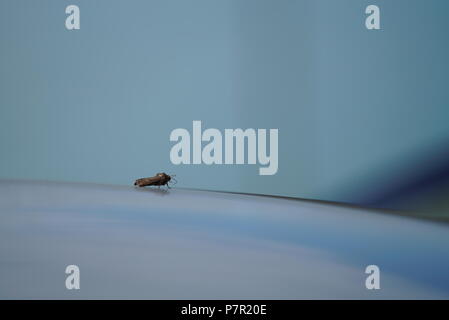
[180,244]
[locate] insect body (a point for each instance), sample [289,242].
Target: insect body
[160,179]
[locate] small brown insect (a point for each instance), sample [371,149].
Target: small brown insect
[160,179]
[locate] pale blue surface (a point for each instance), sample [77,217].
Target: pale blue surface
[98,104]
[181,244]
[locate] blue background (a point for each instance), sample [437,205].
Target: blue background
[362,115]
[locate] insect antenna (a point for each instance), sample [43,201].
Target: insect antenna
[172,178]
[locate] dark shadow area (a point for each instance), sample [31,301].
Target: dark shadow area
[162,191]
[419,183]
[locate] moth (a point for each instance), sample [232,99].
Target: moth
[160,179]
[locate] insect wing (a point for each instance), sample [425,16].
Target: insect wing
[153,181]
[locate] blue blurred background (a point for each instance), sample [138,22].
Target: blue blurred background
[362,114]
